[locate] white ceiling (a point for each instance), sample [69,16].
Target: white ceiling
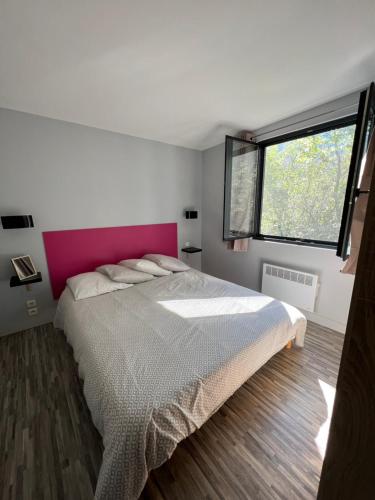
[186,72]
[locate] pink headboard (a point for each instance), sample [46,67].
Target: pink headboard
[78,251]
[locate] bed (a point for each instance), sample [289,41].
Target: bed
[159,358]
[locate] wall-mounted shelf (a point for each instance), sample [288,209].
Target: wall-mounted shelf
[15,281]
[191,249]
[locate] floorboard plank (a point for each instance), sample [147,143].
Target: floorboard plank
[260,444]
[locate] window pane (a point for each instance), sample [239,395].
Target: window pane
[241,185]
[304,185]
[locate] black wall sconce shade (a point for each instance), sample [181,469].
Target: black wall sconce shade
[191,214]
[17,221]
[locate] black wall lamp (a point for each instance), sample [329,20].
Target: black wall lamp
[191,214]
[17,221]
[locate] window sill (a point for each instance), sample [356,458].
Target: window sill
[300,243]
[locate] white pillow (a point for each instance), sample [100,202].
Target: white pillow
[146,266]
[166,262]
[124,274]
[87,285]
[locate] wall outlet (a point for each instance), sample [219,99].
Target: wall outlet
[30,303]
[33,311]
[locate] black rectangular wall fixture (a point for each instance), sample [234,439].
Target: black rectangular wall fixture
[191,214]
[17,221]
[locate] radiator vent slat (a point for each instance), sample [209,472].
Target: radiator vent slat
[287,274]
[295,287]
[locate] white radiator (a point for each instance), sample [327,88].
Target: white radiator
[289,285]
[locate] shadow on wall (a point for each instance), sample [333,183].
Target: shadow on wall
[6,268]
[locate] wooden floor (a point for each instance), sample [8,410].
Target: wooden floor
[259,445]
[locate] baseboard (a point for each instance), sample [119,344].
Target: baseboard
[21,325]
[327,322]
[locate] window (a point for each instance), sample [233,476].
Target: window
[241,188]
[300,187]
[304,185]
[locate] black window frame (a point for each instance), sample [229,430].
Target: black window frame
[364,129]
[298,134]
[227,188]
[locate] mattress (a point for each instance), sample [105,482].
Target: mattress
[159,358]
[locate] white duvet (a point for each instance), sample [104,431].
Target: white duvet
[159,358]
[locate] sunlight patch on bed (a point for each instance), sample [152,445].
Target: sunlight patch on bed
[218,306]
[322,437]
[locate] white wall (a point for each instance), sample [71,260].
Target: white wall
[335,291]
[69,176]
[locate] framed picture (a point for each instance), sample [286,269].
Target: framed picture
[24,267]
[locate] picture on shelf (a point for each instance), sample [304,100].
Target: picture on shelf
[24,267]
